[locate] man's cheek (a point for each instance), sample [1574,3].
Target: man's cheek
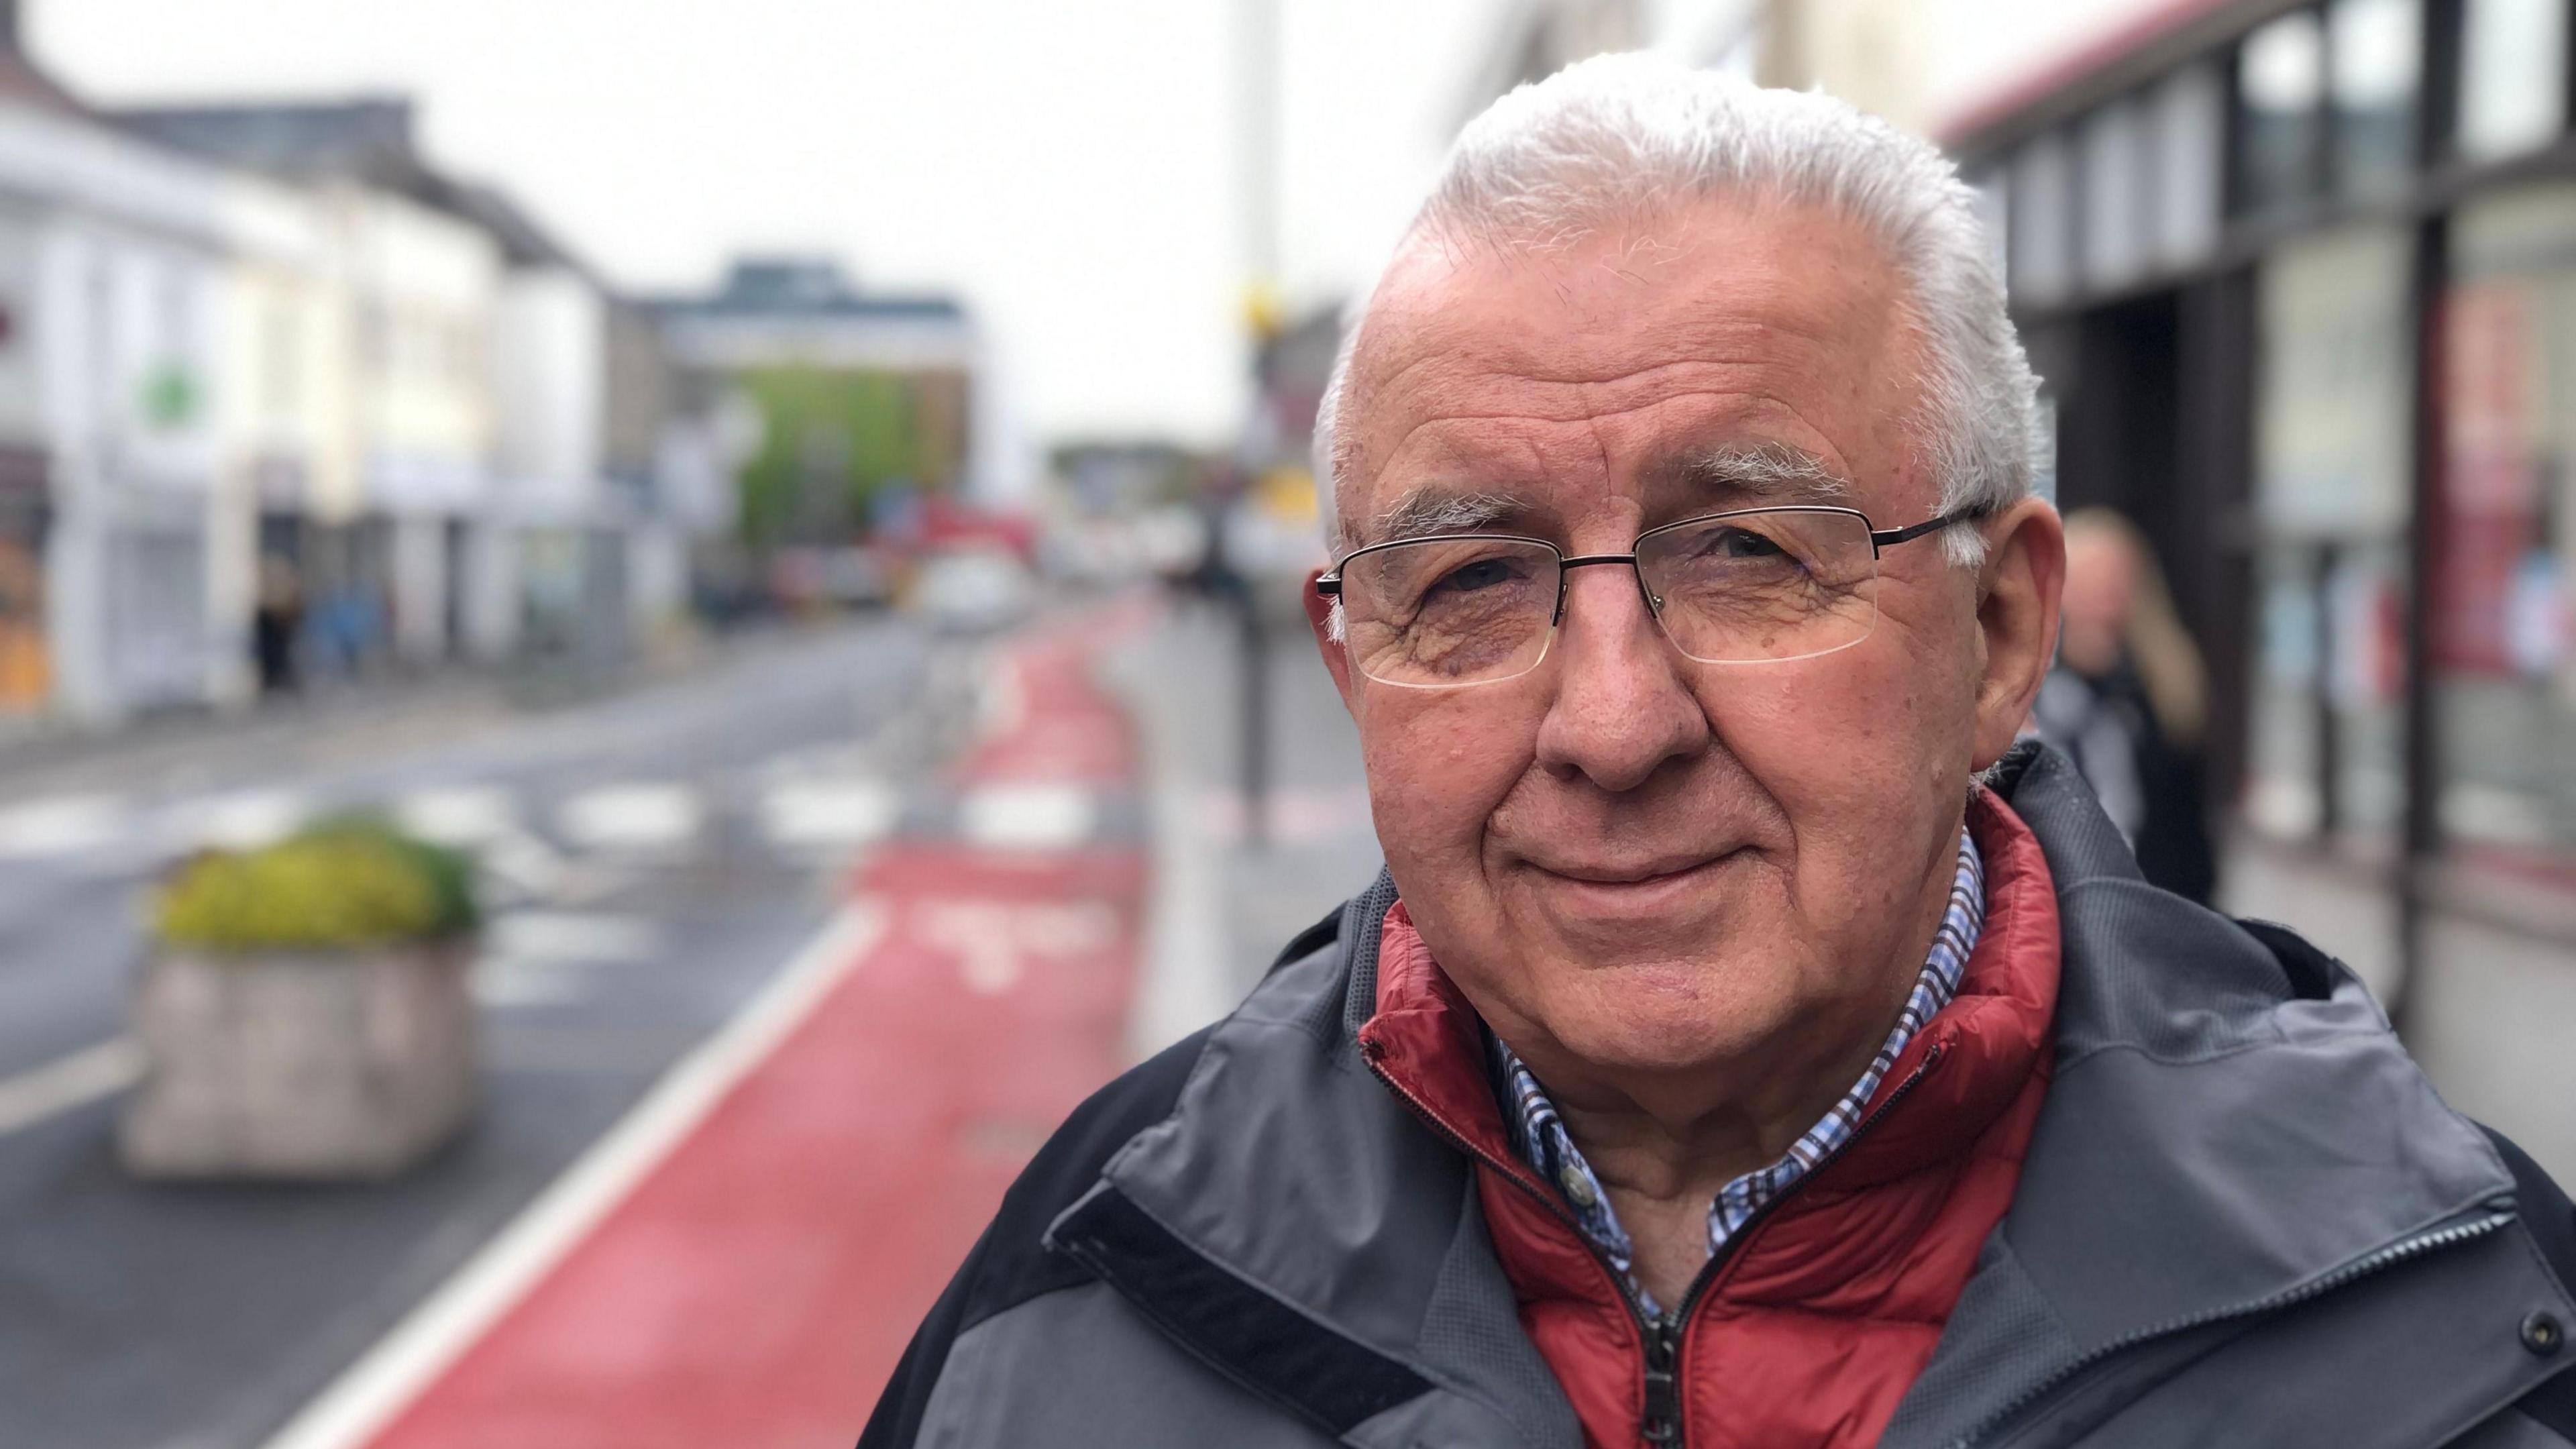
[1434,781]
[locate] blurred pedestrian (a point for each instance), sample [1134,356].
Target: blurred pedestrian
[1750,1042]
[2128,701]
[277,622]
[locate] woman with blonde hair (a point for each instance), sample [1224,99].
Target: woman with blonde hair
[2129,700]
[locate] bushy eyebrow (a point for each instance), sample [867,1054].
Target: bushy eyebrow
[1728,476]
[1759,474]
[1433,509]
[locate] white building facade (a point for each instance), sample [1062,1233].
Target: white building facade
[111,271]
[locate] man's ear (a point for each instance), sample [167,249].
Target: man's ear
[1319,618]
[2017,592]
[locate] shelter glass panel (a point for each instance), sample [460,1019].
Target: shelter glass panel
[2332,436]
[2503,621]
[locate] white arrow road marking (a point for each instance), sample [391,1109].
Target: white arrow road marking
[993,940]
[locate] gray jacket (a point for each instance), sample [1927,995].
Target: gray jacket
[2245,1219]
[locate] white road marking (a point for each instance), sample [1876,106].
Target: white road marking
[829,813]
[238,821]
[513,981]
[572,936]
[992,940]
[386,1380]
[1027,817]
[63,825]
[632,817]
[68,1082]
[462,815]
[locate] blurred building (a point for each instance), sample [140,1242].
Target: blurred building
[381,552]
[110,336]
[509,413]
[2302,282]
[839,411]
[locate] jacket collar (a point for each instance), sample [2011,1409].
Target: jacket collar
[2231,1127]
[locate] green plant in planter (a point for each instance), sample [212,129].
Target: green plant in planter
[349,883]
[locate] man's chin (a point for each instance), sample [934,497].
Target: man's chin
[1665,1016]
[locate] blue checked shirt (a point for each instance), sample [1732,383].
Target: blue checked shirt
[1538,1134]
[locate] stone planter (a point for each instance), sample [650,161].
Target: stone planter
[319,1065]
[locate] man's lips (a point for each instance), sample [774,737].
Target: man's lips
[1644,871]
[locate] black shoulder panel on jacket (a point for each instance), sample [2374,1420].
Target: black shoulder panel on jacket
[1312,939]
[1010,1264]
[2311,971]
[1328,1380]
[2552,1220]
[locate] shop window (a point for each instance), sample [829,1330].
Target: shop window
[2187,116]
[2280,105]
[2043,221]
[2503,625]
[2331,449]
[2114,229]
[2513,76]
[2376,51]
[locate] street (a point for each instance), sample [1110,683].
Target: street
[660,855]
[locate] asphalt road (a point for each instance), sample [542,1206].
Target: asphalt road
[657,855]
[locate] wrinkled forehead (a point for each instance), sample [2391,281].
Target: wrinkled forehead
[1597,366]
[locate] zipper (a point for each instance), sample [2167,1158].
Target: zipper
[2499,1212]
[1660,1427]
[1662,1424]
[1667,1429]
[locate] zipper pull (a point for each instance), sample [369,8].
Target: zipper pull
[1663,1422]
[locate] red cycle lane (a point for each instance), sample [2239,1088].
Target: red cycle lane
[756,1286]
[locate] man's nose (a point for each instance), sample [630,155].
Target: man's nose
[1623,706]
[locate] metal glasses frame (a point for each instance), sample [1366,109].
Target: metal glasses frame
[1329,584]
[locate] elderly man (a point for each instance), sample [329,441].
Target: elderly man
[1748,1044]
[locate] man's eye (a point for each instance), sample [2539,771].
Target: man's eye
[1482,574]
[1739,543]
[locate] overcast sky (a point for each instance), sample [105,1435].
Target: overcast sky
[1070,168]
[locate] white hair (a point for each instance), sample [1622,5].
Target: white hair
[1627,139]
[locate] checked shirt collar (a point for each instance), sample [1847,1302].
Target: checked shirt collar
[1538,1134]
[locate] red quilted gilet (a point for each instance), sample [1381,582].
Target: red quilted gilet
[1826,1308]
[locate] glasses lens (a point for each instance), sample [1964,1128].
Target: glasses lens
[1449,610]
[1780,584]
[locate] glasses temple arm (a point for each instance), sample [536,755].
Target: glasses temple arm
[1891,537]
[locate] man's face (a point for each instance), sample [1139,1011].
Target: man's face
[1625,859]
